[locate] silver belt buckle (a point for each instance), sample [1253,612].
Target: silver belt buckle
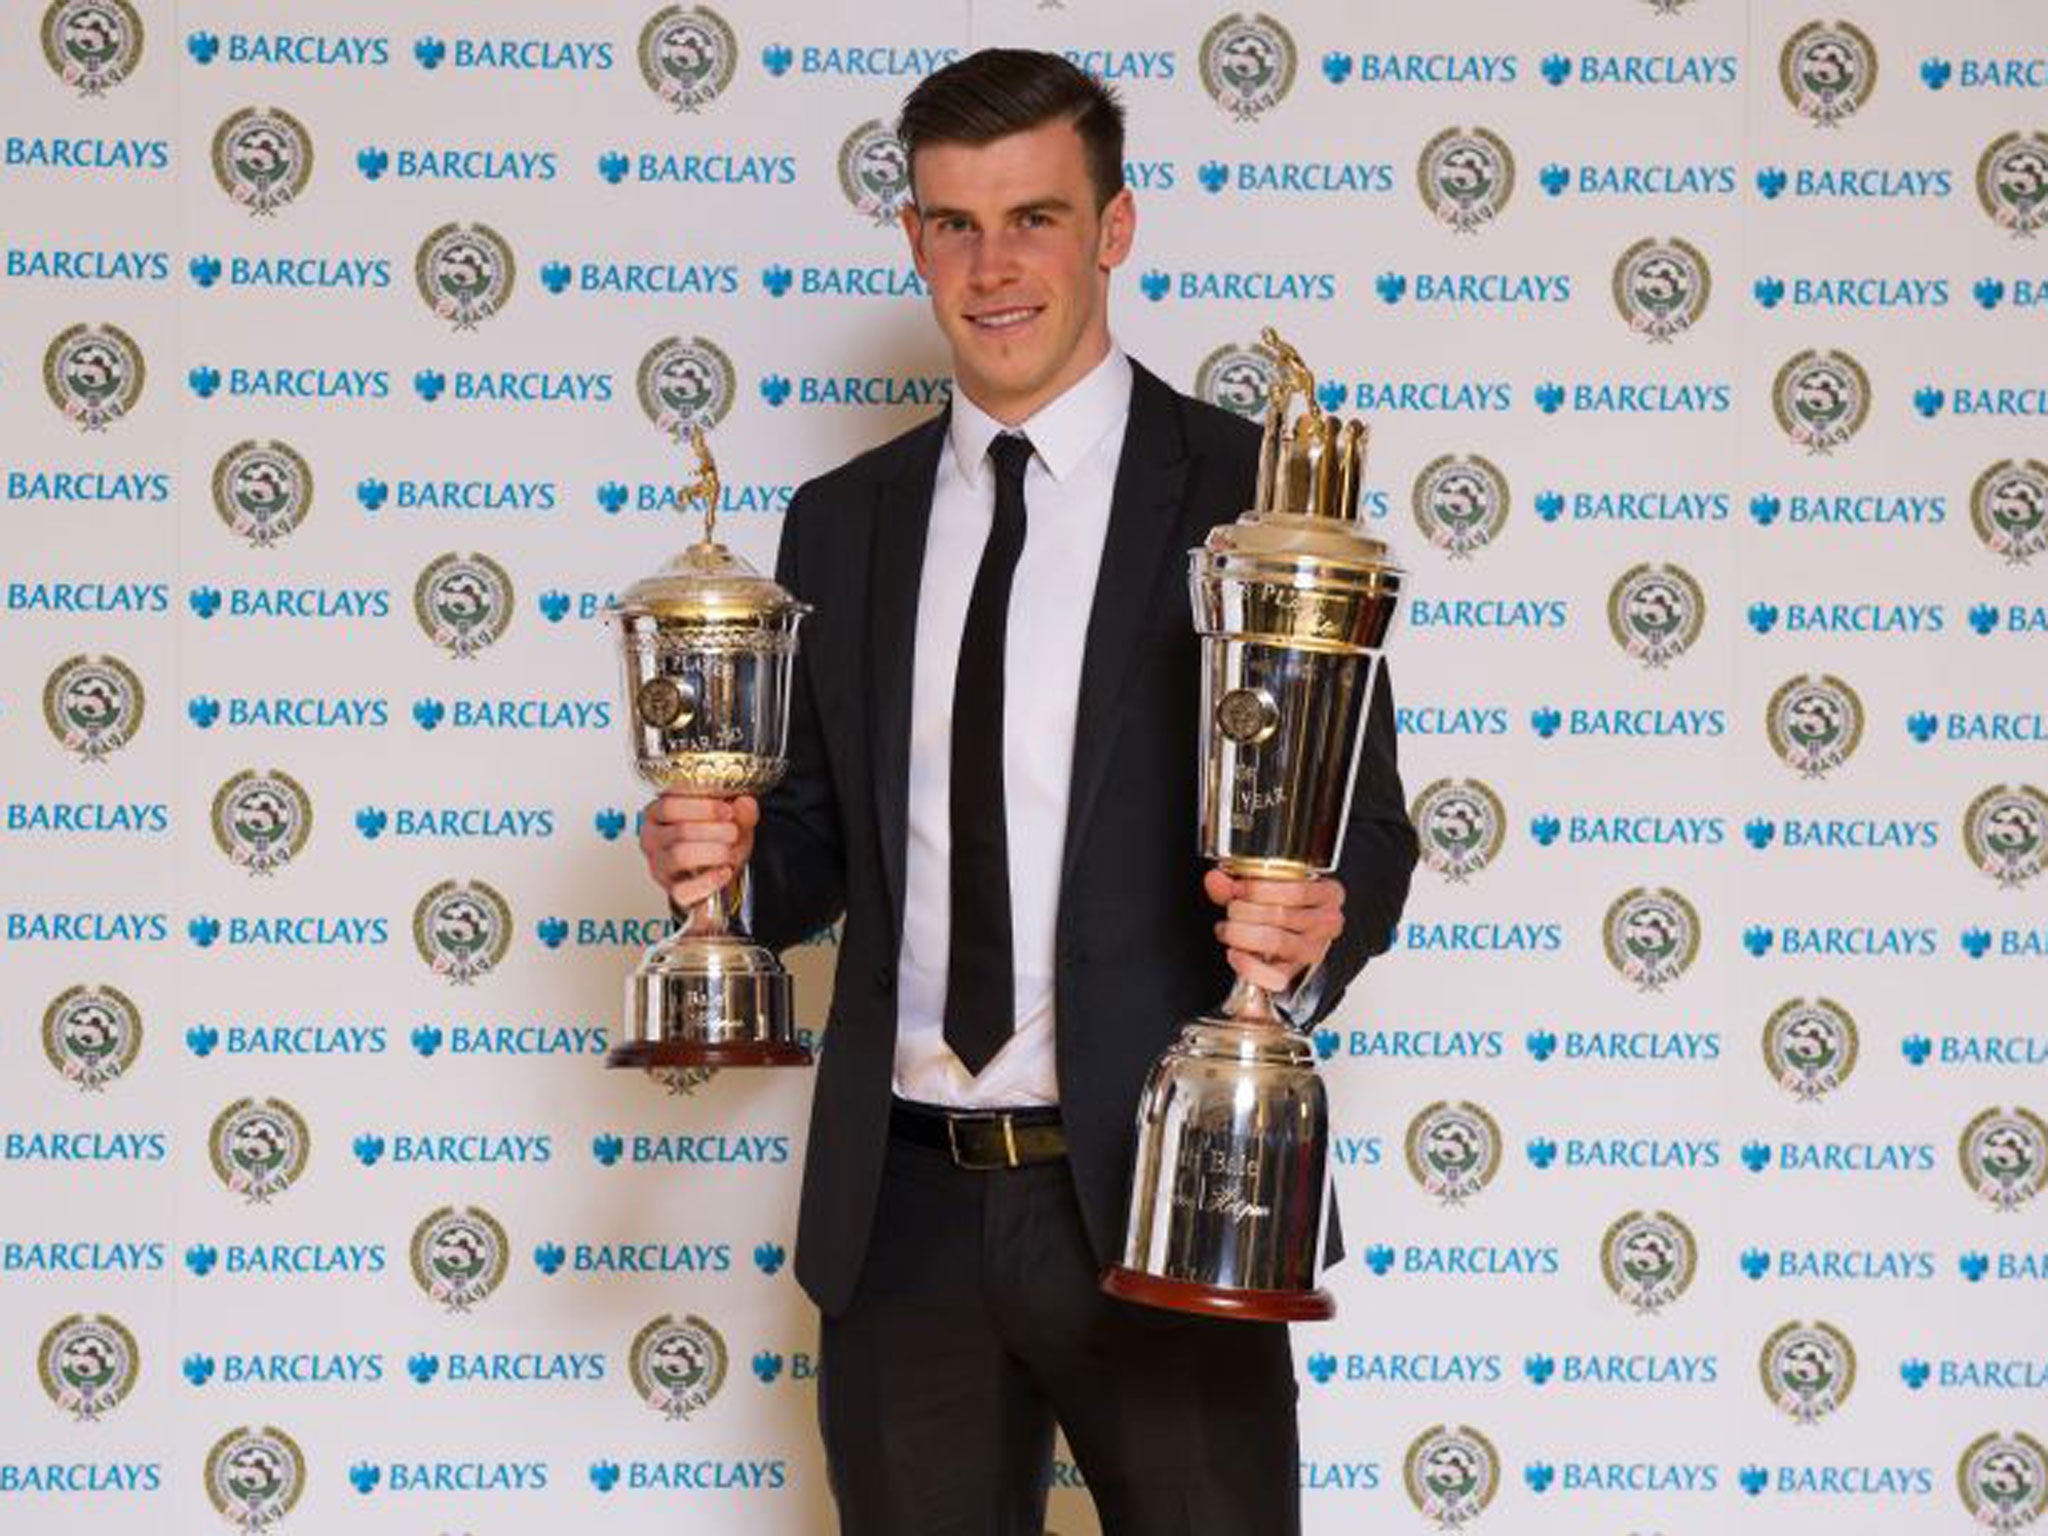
[1009,1141]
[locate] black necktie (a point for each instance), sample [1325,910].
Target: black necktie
[981,986]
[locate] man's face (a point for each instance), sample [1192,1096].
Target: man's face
[1007,236]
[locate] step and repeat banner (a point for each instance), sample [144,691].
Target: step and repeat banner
[1690,1138]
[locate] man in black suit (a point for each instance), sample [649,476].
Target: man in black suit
[992,780]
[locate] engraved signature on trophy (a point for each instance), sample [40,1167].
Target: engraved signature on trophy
[717,738]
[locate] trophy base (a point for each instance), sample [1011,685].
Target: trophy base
[710,1000]
[1128,1284]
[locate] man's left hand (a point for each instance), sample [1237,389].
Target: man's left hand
[1275,930]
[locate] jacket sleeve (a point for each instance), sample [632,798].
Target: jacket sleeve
[798,871]
[1377,858]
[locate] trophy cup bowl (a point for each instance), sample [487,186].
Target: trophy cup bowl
[708,646]
[1293,603]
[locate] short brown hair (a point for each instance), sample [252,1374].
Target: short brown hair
[996,92]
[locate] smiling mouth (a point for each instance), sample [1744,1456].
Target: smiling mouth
[1009,319]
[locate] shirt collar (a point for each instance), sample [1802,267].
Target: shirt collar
[1062,431]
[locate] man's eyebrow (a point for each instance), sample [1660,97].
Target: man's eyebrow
[1036,205]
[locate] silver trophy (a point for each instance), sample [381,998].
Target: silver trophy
[1293,602]
[708,645]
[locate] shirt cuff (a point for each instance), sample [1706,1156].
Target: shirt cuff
[1298,1004]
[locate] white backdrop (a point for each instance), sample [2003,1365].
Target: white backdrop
[1749,291]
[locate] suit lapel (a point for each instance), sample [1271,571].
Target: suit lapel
[1140,557]
[903,513]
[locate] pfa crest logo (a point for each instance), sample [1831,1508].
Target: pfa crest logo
[1247,64]
[1453,1150]
[677,1367]
[1821,398]
[93,705]
[2006,832]
[254,1477]
[2004,1154]
[463,602]
[261,820]
[1810,1047]
[1656,612]
[1648,1259]
[1814,723]
[91,1035]
[262,490]
[1466,176]
[88,1364]
[1462,826]
[1661,287]
[262,158]
[1461,503]
[92,44]
[874,171]
[685,384]
[459,1255]
[2012,182]
[1827,69]
[1652,936]
[464,272]
[687,56]
[259,1148]
[462,929]
[2004,1480]
[1237,378]
[1451,1473]
[93,374]
[2009,509]
[1808,1369]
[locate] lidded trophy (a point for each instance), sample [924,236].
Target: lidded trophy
[1293,602]
[709,646]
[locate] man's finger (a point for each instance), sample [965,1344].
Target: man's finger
[688,892]
[1273,943]
[1292,893]
[688,858]
[671,809]
[1261,973]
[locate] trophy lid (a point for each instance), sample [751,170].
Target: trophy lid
[707,581]
[1308,488]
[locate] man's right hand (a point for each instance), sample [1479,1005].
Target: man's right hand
[694,845]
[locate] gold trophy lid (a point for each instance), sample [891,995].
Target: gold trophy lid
[707,581]
[1308,486]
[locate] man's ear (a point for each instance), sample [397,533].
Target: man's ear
[913,231]
[1119,230]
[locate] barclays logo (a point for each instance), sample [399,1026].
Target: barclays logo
[89,817]
[81,1258]
[1546,1152]
[87,154]
[709,1150]
[1632,724]
[503,1366]
[1630,398]
[1411,1369]
[1865,510]
[375,495]
[1300,177]
[639,1258]
[1623,830]
[718,170]
[2016,72]
[1852,292]
[287,932]
[852,282]
[866,62]
[1983,1374]
[1496,290]
[1842,834]
[527,714]
[1879,1265]
[292,1260]
[1861,942]
[528,54]
[290,49]
[1412,1044]
[1477,1260]
[424,164]
[878,389]
[615,496]
[287,1370]
[509,1040]
[1427,396]
[1840,1157]
[295,1039]
[302,712]
[1481,938]
[1640,1370]
[463,1151]
[1623,1045]
[1444,720]
[88,597]
[1422,68]
[295,273]
[1977,1050]
[1124,65]
[1839,1481]
[1961,400]
[649,279]
[290,602]
[438,822]
[150,487]
[530,387]
[88,927]
[449,1477]
[1641,69]
[85,1146]
[1639,179]
[1857,183]
[1633,506]
[707,1474]
[1979,725]
[1848,618]
[1491,613]
[1240,287]
[329,384]
[88,265]
[81,1477]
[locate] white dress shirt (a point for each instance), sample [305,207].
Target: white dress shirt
[1077,441]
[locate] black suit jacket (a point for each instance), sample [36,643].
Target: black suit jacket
[1136,952]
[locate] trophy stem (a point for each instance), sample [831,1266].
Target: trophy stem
[717,915]
[1250,1003]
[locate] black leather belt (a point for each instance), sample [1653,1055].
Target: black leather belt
[982,1139]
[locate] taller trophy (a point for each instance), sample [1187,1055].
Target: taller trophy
[1293,602]
[709,646]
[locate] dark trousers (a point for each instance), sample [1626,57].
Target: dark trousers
[977,1324]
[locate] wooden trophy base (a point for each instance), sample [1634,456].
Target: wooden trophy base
[1218,1300]
[671,1054]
